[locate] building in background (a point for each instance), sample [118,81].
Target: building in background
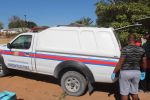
[14,30]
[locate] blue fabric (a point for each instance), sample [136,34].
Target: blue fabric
[142,77]
[113,75]
[6,95]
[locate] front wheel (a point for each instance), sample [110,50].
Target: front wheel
[73,83]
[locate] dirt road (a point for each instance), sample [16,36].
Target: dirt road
[29,86]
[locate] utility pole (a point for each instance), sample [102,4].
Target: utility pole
[25,20]
[25,16]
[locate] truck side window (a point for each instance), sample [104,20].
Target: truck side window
[22,42]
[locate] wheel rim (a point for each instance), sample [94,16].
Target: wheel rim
[72,84]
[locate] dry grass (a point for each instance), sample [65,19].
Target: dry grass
[5,40]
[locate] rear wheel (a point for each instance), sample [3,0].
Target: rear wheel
[73,83]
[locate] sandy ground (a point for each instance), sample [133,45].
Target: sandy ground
[30,86]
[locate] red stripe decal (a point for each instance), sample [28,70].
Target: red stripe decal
[76,59]
[63,58]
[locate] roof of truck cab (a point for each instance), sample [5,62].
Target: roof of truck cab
[80,28]
[71,29]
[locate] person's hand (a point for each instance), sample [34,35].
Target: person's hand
[142,77]
[113,75]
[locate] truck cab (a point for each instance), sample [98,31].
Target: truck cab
[16,54]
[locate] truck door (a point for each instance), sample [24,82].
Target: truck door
[18,56]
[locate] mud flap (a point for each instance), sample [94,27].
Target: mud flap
[90,88]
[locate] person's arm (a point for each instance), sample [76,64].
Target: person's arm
[119,64]
[118,67]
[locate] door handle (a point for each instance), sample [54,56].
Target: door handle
[27,54]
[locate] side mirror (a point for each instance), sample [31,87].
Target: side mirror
[9,46]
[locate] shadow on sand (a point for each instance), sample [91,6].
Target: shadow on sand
[111,89]
[34,76]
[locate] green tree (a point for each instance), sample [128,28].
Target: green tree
[31,24]
[84,21]
[17,22]
[14,19]
[120,14]
[1,25]
[146,2]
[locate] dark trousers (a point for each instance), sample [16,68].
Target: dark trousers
[145,84]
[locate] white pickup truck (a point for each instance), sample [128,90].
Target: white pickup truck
[77,56]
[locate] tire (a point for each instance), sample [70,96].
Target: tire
[73,83]
[3,70]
